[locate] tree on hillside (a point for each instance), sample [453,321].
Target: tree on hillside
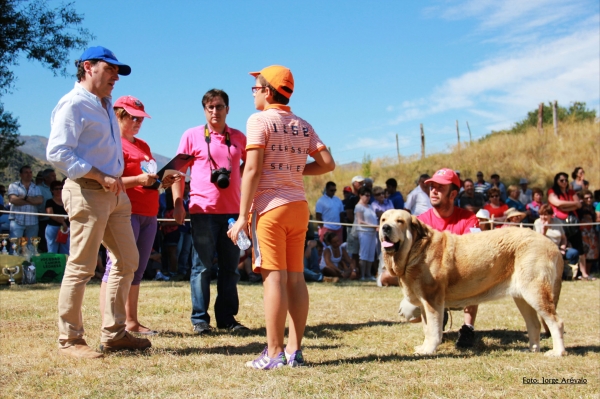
[577,111]
[42,34]
[9,137]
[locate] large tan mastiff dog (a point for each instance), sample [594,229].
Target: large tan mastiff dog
[440,269]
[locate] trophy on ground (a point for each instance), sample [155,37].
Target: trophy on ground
[13,244]
[10,272]
[3,237]
[24,248]
[35,241]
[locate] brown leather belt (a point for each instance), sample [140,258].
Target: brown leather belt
[88,183]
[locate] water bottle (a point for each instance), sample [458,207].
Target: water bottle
[243,242]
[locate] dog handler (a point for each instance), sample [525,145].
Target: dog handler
[278,144]
[444,186]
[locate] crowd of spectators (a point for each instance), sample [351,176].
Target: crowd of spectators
[496,206]
[334,252]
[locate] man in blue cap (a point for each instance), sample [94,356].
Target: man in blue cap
[85,145]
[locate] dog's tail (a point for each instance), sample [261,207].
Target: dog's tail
[557,286]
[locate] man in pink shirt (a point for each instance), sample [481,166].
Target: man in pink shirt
[444,187]
[219,155]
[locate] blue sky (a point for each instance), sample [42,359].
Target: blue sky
[364,71]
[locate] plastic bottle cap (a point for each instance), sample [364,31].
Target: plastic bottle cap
[231,220]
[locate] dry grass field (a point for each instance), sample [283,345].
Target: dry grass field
[355,345]
[513,156]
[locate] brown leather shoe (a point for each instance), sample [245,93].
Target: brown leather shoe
[128,342]
[80,349]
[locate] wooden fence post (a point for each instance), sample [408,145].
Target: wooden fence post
[540,125]
[397,148]
[468,127]
[458,135]
[422,142]
[555,117]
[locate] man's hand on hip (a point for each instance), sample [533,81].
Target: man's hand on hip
[112,184]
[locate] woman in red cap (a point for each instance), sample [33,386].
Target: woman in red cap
[140,171]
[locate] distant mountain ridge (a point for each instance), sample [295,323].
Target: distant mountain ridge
[36,147]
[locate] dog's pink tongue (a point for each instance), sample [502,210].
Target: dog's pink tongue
[387,244]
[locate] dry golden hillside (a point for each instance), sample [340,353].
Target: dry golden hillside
[529,154]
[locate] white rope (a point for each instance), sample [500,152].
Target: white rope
[322,222]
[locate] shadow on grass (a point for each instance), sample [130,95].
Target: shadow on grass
[251,348]
[327,330]
[214,333]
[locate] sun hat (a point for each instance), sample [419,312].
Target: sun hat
[103,54]
[510,212]
[279,77]
[347,189]
[357,179]
[132,105]
[483,214]
[445,176]
[523,181]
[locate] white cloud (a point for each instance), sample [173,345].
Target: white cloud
[563,67]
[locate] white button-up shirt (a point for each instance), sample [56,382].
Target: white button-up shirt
[84,134]
[417,201]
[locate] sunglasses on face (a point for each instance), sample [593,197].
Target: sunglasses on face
[494,196]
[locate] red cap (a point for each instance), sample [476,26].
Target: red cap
[132,105]
[445,176]
[348,189]
[279,77]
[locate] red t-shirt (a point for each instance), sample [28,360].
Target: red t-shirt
[557,212]
[496,212]
[460,222]
[143,201]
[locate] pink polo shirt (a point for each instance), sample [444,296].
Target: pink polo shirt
[207,197]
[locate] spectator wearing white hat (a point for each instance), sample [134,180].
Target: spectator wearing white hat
[483,215]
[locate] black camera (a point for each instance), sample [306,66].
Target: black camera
[220,177]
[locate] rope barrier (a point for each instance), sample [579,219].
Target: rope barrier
[322,222]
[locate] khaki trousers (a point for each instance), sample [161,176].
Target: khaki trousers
[96,217]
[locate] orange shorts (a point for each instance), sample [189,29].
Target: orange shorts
[281,233]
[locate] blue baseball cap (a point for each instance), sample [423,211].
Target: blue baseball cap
[104,54]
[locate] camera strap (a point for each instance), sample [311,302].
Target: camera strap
[227,142]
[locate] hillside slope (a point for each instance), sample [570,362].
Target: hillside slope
[513,156]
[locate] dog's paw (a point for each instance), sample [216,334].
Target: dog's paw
[424,350]
[554,353]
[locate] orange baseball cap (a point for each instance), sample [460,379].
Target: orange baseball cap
[279,77]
